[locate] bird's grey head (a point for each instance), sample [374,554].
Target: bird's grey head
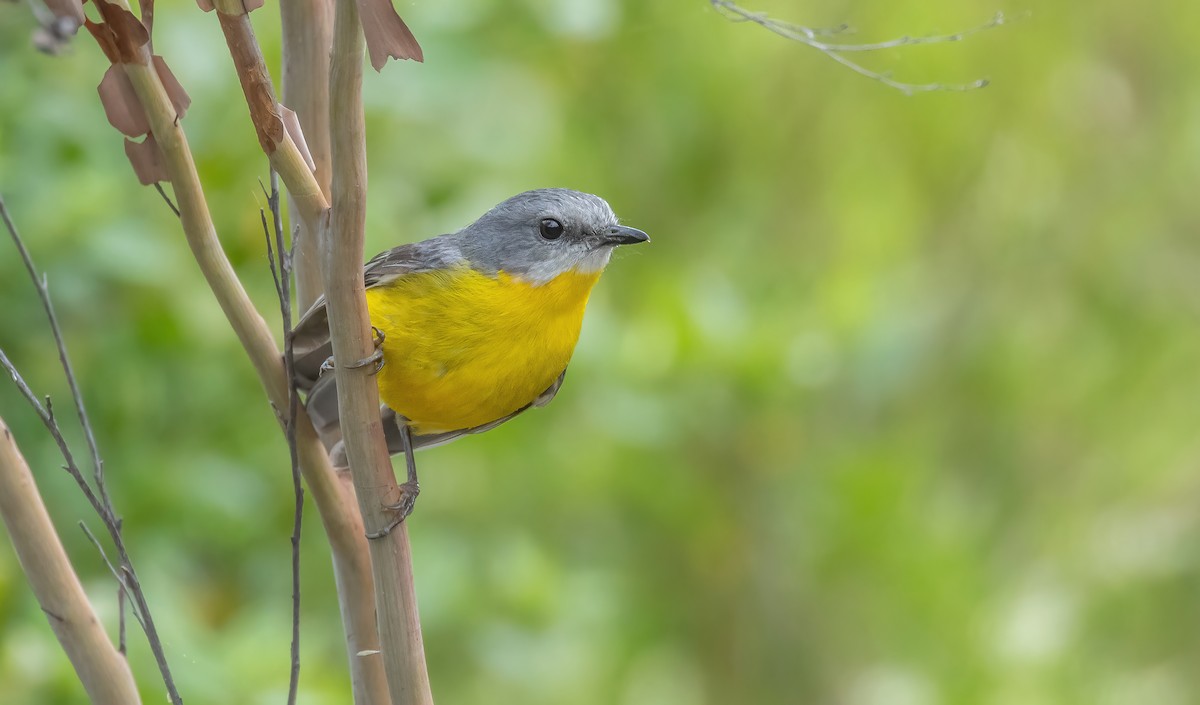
[538,235]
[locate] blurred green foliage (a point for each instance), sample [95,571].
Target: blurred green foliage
[899,408]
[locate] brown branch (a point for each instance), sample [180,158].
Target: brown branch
[265,112]
[102,669]
[401,647]
[808,36]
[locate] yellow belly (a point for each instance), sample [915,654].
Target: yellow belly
[462,348]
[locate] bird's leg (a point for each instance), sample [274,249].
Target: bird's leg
[409,489]
[375,358]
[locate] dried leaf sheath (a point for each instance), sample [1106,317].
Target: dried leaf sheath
[387,35]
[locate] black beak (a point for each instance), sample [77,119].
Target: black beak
[621,235]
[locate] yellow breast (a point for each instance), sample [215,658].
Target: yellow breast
[463,348]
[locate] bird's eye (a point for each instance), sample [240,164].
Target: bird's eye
[552,229]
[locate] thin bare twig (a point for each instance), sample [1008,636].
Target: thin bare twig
[809,36]
[98,498]
[121,602]
[46,415]
[282,274]
[170,204]
[44,294]
[116,573]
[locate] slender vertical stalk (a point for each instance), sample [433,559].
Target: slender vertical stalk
[401,647]
[307,37]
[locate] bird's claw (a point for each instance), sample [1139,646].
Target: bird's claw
[375,358]
[408,500]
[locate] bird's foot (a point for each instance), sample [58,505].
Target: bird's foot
[402,508]
[375,358]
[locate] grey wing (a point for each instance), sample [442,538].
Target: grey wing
[440,252]
[310,345]
[331,434]
[310,337]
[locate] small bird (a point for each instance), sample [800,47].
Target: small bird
[473,327]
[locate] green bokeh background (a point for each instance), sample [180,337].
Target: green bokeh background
[899,407]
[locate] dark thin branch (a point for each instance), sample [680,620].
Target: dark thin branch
[46,414]
[98,498]
[282,275]
[117,575]
[809,36]
[44,294]
[122,600]
[170,204]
